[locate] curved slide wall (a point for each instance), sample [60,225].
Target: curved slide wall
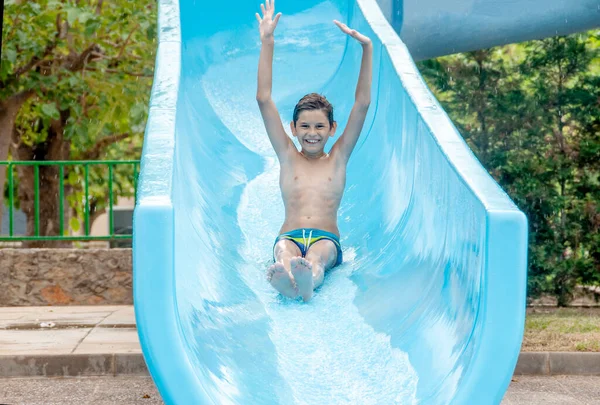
[432,28]
[429,305]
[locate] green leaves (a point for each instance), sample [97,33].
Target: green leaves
[103,94]
[11,55]
[72,14]
[531,114]
[74,224]
[91,26]
[80,15]
[50,111]
[138,112]
[97,88]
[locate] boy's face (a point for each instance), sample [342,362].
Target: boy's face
[313,130]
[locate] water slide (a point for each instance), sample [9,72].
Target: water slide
[429,305]
[431,28]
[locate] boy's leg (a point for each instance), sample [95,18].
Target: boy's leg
[308,273]
[279,274]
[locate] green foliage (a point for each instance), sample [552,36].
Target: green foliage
[95,62]
[90,64]
[531,114]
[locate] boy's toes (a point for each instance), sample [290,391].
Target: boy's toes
[306,263]
[270,272]
[300,262]
[283,282]
[302,272]
[275,268]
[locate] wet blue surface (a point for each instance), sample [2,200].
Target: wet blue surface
[432,28]
[429,305]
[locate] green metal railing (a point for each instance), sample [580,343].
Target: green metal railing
[111,164]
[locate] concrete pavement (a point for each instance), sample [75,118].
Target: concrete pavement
[553,390]
[73,341]
[562,390]
[69,341]
[68,330]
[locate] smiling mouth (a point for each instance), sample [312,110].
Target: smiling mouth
[312,141]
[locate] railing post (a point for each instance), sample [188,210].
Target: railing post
[87,205]
[11,200]
[111,226]
[36,198]
[135,181]
[61,199]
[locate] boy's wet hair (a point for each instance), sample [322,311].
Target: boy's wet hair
[314,101]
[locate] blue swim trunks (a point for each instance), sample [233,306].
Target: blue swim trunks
[305,237]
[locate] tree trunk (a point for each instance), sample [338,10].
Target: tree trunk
[5,126]
[55,148]
[9,109]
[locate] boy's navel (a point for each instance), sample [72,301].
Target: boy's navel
[296,178]
[329,178]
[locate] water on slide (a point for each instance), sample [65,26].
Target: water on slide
[431,292]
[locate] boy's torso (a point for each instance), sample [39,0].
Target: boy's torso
[312,191]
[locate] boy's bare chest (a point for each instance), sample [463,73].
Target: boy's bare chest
[323,177]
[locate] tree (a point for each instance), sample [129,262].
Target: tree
[531,114]
[564,87]
[74,83]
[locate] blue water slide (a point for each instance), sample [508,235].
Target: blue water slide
[428,307]
[431,28]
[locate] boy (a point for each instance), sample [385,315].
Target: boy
[312,182]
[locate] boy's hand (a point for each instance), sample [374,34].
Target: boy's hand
[267,22]
[364,40]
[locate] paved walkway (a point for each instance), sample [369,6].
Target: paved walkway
[102,341]
[68,330]
[141,391]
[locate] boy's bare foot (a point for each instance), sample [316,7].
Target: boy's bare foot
[282,281]
[302,272]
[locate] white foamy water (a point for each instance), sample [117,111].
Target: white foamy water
[326,351]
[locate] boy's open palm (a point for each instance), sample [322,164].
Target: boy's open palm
[267,22]
[364,40]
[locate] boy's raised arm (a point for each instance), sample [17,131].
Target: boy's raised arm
[279,139]
[362,98]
